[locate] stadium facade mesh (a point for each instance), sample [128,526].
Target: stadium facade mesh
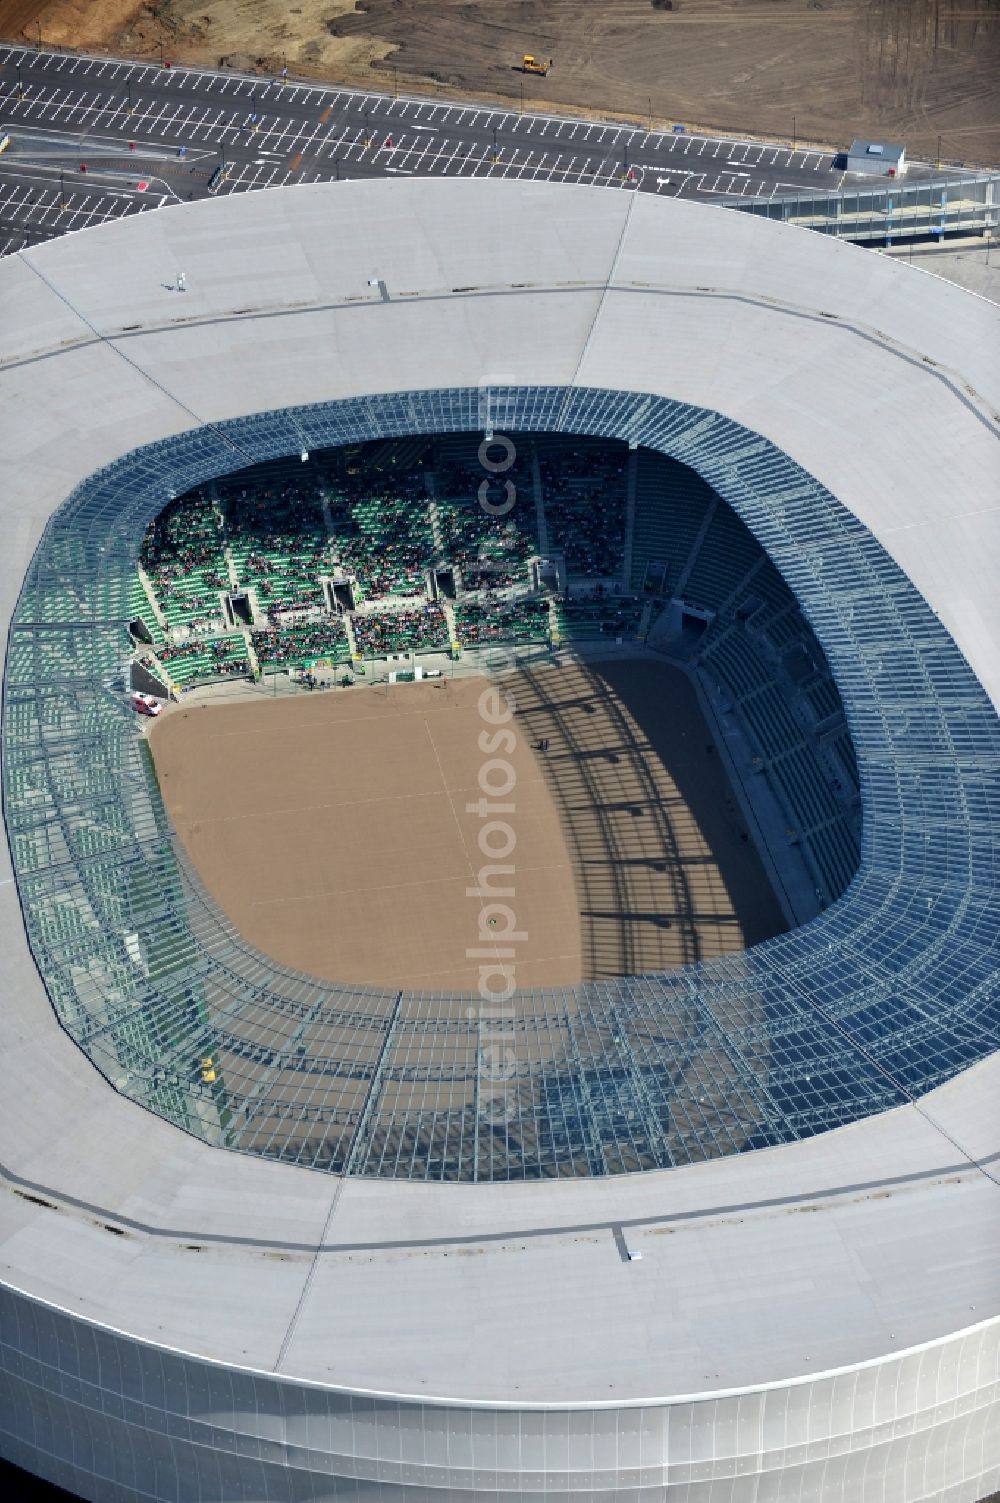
[885,995]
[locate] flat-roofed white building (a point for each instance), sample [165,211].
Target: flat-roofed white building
[876,158]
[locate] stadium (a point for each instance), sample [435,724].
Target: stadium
[700,1197]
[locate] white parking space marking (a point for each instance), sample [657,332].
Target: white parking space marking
[170,121]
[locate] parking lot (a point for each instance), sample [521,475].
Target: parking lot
[95,138]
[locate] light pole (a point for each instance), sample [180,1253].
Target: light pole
[522,96]
[20,90]
[650,103]
[495,151]
[939,154]
[395,82]
[131,107]
[793,133]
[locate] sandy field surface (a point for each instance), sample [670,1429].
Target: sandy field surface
[335,829]
[827,69]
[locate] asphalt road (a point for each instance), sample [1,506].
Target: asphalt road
[97,138]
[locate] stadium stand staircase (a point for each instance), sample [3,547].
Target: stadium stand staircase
[349,634]
[433,516]
[692,559]
[540,522]
[670,503]
[331,531]
[630,495]
[151,601]
[231,571]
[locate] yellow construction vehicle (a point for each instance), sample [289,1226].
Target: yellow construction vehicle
[533,64]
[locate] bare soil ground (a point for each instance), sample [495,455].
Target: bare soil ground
[908,69]
[333,829]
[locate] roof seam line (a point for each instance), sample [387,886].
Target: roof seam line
[359,1127]
[571,384]
[106,339]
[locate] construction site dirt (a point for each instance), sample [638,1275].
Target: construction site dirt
[921,71]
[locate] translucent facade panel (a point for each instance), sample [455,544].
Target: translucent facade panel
[889,992]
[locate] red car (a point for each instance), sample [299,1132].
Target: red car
[146,704]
